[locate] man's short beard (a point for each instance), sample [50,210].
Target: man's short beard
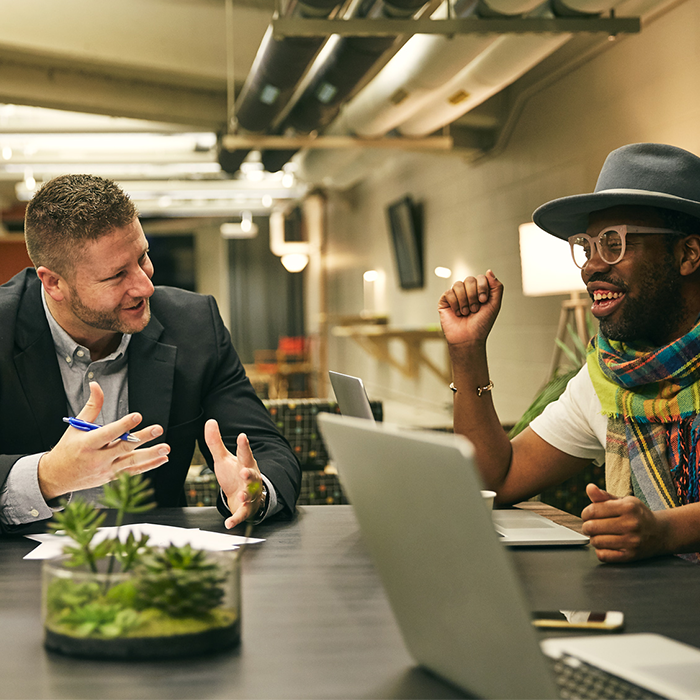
[103,320]
[655,313]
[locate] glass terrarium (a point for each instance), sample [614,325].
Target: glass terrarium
[175,602]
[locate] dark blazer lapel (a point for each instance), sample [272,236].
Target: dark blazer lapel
[37,367]
[151,375]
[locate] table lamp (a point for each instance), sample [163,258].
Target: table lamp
[548,269]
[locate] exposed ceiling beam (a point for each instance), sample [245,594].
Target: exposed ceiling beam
[294,26]
[139,96]
[429,143]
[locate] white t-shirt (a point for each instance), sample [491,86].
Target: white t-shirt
[575,423]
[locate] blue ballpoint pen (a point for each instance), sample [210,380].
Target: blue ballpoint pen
[84,425]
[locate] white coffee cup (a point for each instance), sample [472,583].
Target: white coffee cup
[488,497]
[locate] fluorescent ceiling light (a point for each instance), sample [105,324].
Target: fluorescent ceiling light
[25,119]
[167,170]
[195,197]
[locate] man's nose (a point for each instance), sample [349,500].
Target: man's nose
[142,287]
[594,264]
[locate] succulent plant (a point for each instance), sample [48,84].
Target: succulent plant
[180,581]
[80,521]
[100,618]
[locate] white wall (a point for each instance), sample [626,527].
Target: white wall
[645,87]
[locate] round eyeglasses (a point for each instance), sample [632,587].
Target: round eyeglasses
[610,243]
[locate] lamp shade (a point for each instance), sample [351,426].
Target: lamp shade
[546,263]
[294,262]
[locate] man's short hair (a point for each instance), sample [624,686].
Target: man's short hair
[70,210]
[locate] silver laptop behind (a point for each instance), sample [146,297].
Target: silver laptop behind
[450,583]
[523,528]
[351,395]
[516,528]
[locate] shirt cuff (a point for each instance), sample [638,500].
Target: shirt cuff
[21,500]
[273,504]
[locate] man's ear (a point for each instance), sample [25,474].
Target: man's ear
[690,255]
[53,283]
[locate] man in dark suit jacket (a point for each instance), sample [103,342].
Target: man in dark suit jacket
[166,358]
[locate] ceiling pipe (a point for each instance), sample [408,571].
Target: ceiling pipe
[423,64]
[351,60]
[423,79]
[501,64]
[278,67]
[343,69]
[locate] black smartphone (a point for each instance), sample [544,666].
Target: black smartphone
[608,620]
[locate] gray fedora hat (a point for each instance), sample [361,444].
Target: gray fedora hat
[640,174]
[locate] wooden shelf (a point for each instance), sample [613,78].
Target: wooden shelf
[375,339]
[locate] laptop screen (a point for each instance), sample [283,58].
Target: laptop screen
[351,395]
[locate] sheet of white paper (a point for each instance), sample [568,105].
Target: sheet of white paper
[51,545]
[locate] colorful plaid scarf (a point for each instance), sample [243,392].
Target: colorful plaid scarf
[652,400]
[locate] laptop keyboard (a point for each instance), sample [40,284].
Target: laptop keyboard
[577,679]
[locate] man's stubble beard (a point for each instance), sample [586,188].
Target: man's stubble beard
[655,313]
[105,321]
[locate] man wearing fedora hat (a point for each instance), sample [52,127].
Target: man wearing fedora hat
[636,404]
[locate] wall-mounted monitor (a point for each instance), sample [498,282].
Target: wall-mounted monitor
[406,227]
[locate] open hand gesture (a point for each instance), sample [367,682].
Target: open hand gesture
[81,460]
[238,475]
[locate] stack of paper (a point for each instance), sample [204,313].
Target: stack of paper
[51,545]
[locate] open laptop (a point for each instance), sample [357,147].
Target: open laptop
[351,395]
[523,528]
[450,583]
[517,528]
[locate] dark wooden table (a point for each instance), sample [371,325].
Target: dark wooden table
[657,595]
[316,623]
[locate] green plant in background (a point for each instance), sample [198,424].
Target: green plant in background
[554,388]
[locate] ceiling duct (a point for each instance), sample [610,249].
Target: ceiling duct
[426,108]
[343,69]
[278,67]
[410,79]
[503,62]
[423,64]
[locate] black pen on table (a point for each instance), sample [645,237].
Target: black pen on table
[84,425]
